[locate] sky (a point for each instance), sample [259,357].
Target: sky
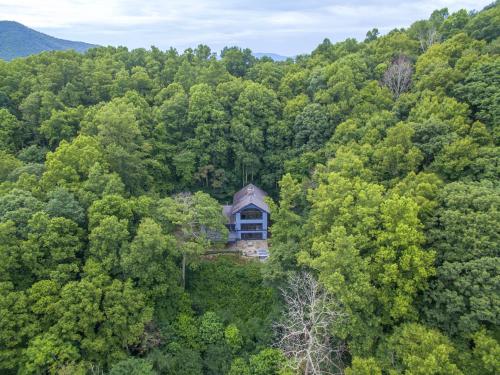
[286,27]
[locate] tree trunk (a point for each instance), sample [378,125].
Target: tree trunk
[183,271]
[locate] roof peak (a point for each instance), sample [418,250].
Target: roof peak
[250,194]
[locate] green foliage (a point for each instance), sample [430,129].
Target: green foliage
[239,367]
[485,24]
[15,325]
[235,292]
[197,222]
[61,125]
[481,89]
[233,337]
[8,164]
[211,328]
[267,362]
[287,229]
[62,203]
[364,366]
[18,206]
[110,162]
[107,242]
[368,251]
[236,60]
[132,366]
[486,353]
[51,248]
[10,131]
[148,259]
[418,350]
[463,297]
[71,162]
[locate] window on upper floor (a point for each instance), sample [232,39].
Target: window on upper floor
[251,214]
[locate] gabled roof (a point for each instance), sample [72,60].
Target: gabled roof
[250,194]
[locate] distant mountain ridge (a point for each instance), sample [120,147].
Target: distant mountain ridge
[273,56]
[17,40]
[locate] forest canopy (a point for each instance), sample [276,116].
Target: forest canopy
[382,161]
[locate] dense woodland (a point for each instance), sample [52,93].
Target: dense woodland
[382,161]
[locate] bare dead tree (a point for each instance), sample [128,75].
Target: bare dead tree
[304,333]
[426,32]
[398,77]
[95,369]
[427,37]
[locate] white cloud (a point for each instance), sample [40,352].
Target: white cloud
[287,27]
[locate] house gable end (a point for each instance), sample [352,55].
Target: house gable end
[250,205]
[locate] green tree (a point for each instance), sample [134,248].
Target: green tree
[396,156]
[132,366]
[416,349]
[11,135]
[311,128]
[62,203]
[480,88]
[484,25]
[462,298]
[120,137]
[239,367]
[107,242]
[211,328]
[109,205]
[52,248]
[197,223]
[267,362]
[485,353]
[62,125]
[255,111]
[16,326]
[19,206]
[149,260]
[71,163]
[95,317]
[233,337]
[287,229]
[368,252]
[236,60]
[36,108]
[8,164]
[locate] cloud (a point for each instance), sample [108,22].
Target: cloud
[286,27]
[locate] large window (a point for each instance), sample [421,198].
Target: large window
[251,214]
[251,236]
[251,226]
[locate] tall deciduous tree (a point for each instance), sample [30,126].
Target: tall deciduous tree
[149,259]
[197,222]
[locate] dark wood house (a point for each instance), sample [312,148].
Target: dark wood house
[248,216]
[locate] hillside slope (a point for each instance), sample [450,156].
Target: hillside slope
[17,40]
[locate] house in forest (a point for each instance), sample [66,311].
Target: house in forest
[248,216]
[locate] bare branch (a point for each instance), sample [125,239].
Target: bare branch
[398,77]
[304,331]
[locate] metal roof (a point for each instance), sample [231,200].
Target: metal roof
[250,194]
